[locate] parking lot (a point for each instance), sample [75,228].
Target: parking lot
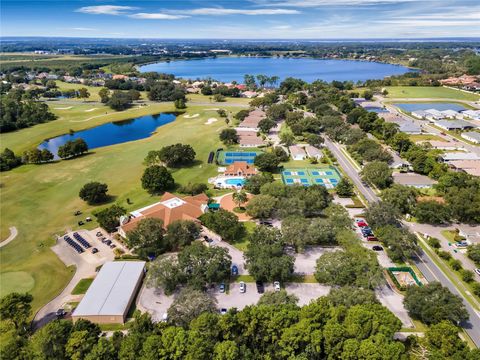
[305,262]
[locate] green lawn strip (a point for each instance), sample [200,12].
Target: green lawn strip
[242,244]
[449,235]
[40,199]
[425,137]
[453,134]
[428,92]
[352,161]
[113,327]
[454,278]
[82,286]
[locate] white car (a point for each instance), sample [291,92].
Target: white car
[243,287]
[276,286]
[477,271]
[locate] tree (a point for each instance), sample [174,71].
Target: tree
[181,233]
[382,214]
[277,298]
[431,212]
[349,268]
[134,94]
[400,243]
[104,94]
[473,252]
[229,136]
[281,154]
[103,350]
[8,160]
[94,193]
[165,91]
[180,104]
[255,182]
[368,94]
[165,272]
[224,223]
[16,308]
[120,101]
[266,124]
[193,188]
[176,155]
[350,296]
[287,137]
[226,350]
[433,303]
[344,188]
[49,342]
[157,179]
[37,156]
[377,173]
[83,93]
[188,305]
[79,344]
[261,206]
[442,342]
[109,218]
[314,140]
[267,162]
[147,238]
[240,197]
[72,148]
[403,198]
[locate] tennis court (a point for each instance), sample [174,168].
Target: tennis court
[229,157]
[326,176]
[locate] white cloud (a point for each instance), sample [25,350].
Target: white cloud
[105,9]
[318,3]
[281,27]
[157,16]
[224,11]
[83,29]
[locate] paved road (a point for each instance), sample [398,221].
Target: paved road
[428,268]
[13,235]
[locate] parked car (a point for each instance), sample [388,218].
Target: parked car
[80,223]
[78,212]
[243,287]
[60,313]
[276,286]
[165,317]
[99,234]
[234,270]
[371,238]
[477,271]
[108,242]
[222,287]
[362,224]
[223,311]
[112,246]
[260,287]
[377,248]
[94,250]
[88,219]
[266,223]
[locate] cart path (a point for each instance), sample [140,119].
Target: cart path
[13,235]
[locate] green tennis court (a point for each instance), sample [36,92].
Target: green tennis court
[327,176]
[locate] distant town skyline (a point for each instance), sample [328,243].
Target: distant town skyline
[245,19]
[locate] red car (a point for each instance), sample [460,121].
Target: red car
[362,224]
[371,238]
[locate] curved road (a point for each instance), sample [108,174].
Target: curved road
[428,268]
[13,235]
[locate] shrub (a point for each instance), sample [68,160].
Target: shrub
[444,255]
[467,275]
[455,264]
[434,243]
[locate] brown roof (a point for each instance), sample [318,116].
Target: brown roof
[240,167]
[171,208]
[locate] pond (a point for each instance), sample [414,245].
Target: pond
[424,106]
[376,109]
[112,133]
[228,69]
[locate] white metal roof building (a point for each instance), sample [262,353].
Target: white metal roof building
[110,295]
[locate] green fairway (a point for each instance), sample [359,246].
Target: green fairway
[40,199]
[425,92]
[15,281]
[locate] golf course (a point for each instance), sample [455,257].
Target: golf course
[40,200]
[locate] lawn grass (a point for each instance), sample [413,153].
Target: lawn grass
[15,281]
[429,92]
[425,137]
[82,286]
[40,199]
[243,243]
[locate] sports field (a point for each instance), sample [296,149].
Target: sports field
[427,92]
[229,157]
[40,199]
[326,176]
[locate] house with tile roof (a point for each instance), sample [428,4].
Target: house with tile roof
[170,208]
[240,168]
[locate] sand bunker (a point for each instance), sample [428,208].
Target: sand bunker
[211,121]
[191,116]
[64,108]
[90,110]
[212,109]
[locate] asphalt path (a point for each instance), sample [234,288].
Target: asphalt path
[426,265]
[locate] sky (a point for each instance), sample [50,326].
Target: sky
[241,19]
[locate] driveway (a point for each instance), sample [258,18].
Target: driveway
[85,265]
[394,302]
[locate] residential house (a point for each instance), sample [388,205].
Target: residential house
[249,138]
[170,208]
[415,180]
[454,156]
[472,136]
[471,167]
[297,152]
[313,152]
[446,145]
[409,127]
[472,114]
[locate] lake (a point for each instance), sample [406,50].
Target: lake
[112,133]
[424,106]
[228,69]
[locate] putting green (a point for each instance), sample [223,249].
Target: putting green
[15,281]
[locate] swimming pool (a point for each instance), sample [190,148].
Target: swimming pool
[235,181]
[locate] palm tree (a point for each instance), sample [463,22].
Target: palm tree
[240,198]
